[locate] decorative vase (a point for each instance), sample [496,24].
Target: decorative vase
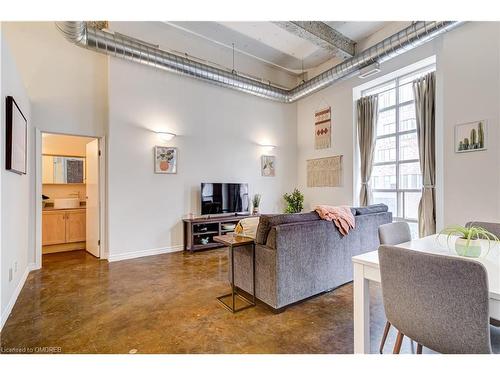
[472,251]
[164,165]
[255,211]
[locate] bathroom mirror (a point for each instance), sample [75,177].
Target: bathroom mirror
[58,169]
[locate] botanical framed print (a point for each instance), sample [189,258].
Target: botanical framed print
[16,137]
[165,159]
[268,164]
[471,136]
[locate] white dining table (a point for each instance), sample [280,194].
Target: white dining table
[366,268]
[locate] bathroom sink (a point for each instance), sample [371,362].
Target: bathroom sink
[66,203]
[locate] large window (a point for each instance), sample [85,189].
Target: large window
[396,179]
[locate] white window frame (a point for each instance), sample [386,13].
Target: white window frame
[400,215]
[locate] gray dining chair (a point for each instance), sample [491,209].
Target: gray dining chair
[438,301]
[392,234]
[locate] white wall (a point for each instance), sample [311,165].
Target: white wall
[468,85]
[218,135]
[17,195]
[67,85]
[55,144]
[470,66]
[2,151]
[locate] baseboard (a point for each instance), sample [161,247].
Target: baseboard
[15,295]
[143,253]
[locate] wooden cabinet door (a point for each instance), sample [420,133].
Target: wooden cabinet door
[53,227]
[75,226]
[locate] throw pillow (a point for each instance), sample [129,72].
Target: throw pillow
[247,227]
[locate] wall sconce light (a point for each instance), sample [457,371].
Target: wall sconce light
[269,147]
[165,136]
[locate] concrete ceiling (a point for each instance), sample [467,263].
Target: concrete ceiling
[273,44]
[356,31]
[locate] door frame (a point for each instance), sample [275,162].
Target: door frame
[103,251]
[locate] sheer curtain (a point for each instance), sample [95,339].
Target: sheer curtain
[367,129]
[424,90]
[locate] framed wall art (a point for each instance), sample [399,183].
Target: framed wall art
[268,165]
[16,137]
[471,136]
[165,160]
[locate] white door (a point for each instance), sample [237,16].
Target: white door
[92,186]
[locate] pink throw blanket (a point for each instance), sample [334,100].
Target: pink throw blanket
[340,215]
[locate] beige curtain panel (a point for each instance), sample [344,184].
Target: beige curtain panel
[424,89]
[367,129]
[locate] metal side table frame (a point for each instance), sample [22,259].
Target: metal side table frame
[232,241]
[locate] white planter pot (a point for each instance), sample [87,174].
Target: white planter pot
[472,251]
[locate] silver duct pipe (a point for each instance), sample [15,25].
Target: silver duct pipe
[118,45]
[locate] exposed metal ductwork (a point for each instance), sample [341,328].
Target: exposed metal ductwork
[128,48]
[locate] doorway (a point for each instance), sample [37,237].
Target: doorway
[70,183]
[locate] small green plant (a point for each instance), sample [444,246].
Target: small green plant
[294,202]
[469,233]
[256,200]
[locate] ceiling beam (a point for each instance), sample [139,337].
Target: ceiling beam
[321,35]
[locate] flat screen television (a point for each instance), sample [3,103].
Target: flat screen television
[221,198]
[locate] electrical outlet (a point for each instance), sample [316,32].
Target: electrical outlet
[10,274]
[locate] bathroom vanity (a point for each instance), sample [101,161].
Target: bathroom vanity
[63,229]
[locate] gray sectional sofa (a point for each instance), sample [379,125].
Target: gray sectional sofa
[300,255]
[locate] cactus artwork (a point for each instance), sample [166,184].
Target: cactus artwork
[480,133]
[470,136]
[473,138]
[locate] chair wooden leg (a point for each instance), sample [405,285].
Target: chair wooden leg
[384,337]
[399,341]
[419,348]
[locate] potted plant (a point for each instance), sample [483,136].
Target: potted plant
[294,202]
[468,243]
[256,204]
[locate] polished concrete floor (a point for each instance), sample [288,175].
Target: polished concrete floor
[167,304]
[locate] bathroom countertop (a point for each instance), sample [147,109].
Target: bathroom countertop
[51,208]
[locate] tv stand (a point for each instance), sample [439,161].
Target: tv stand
[197,229]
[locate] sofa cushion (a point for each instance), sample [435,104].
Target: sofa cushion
[247,227]
[266,222]
[372,209]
